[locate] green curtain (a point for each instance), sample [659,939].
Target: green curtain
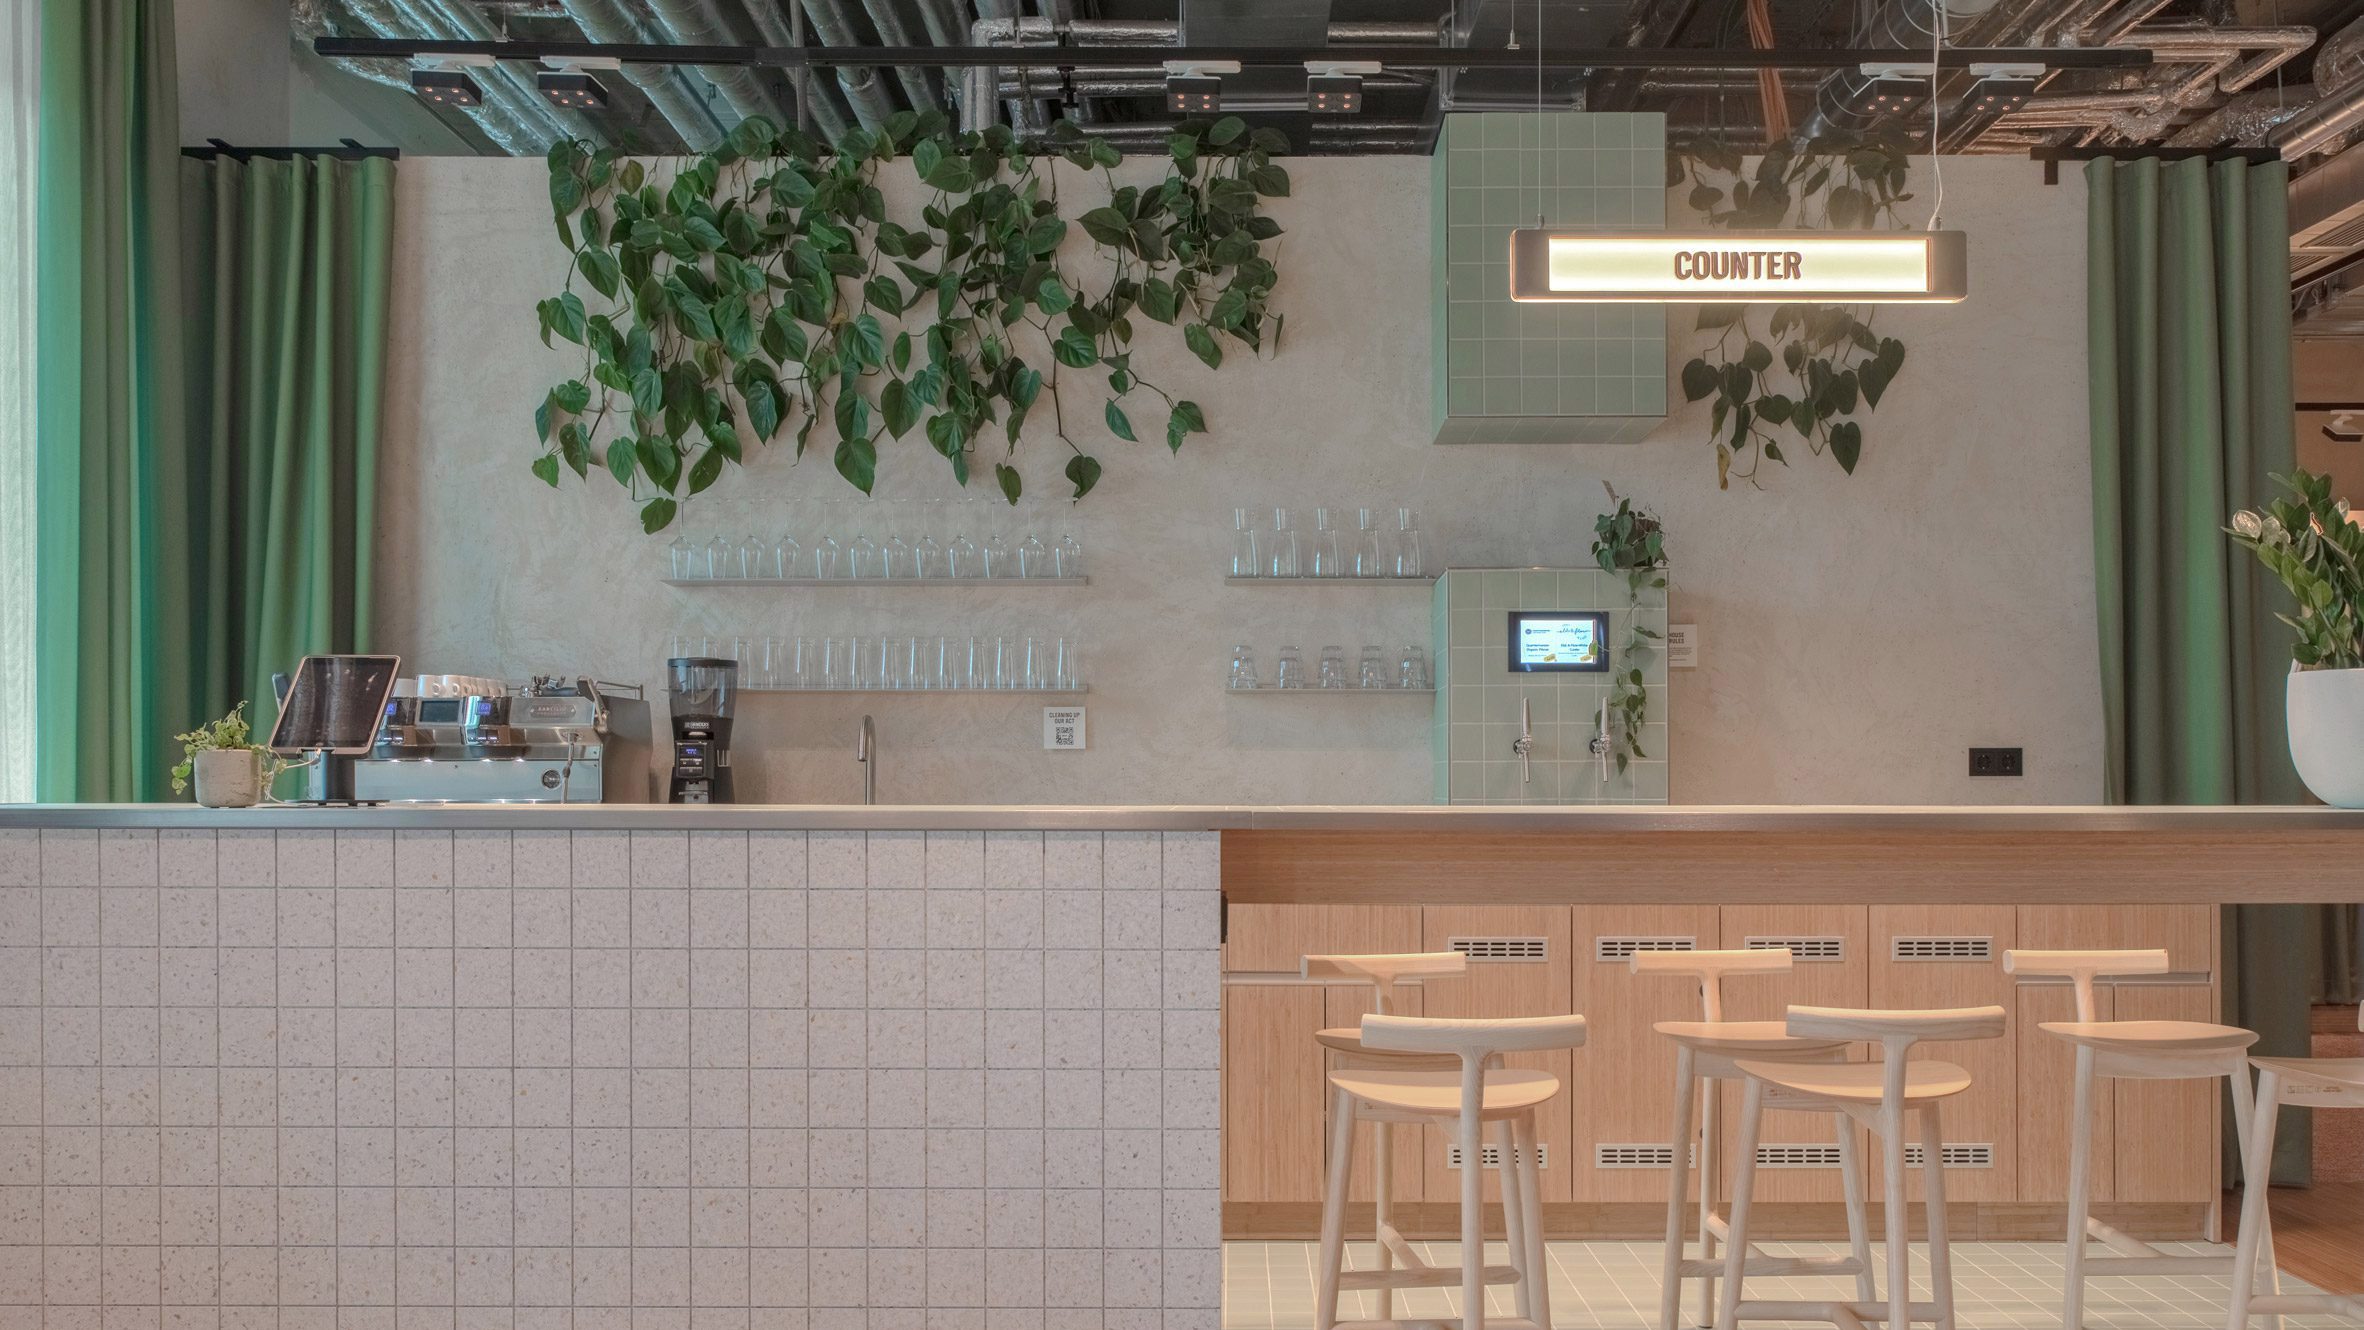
[287,264]
[2189,358]
[115,550]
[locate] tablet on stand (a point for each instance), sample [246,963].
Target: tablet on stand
[331,716]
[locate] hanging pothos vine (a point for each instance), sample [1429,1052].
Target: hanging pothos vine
[1630,543]
[764,283]
[1829,358]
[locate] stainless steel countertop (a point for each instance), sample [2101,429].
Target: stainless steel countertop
[1342,817]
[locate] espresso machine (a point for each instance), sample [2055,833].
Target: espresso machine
[555,739]
[700,691]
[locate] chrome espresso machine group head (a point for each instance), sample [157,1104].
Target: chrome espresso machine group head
[556,740]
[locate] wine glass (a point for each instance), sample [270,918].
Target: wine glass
[1067,557]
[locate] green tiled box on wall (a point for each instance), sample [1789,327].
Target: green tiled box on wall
[1540,373]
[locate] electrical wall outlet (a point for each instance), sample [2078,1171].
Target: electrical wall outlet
[1996,762]
[1063,729]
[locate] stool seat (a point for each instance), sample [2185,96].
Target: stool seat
[2316,1071]
[1742,1037]
[1508,1092]
[1925,1079]
[2151,1036]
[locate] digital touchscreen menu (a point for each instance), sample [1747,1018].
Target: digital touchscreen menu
[1559,641]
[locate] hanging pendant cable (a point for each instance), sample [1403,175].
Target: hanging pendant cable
[1936,147]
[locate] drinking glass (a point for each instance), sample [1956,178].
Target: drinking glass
[1032,557]
[753,557]
[977,670]
[785,554]
[718,557]
[1412,670]
[1367,558]
[678,558]
[1325,545]
[1290,672]
[825,557]
[865,557]
[1005,663]
[1332,671]
[927,558]
[940,664]
[960,557]
[801,665]
[1063,671]
[676,647]
[772,671]
[901,668]
[836,662]
[1408,560]
[897,563]
[1373,671]
[1243,668]
[1034,670]
[1067,557]
[1281,559]
[997,556]
[744,650]
[1243,546]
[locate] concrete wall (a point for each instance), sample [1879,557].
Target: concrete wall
[1859,632]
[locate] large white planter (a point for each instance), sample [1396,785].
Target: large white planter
[2327,733]
[229,777]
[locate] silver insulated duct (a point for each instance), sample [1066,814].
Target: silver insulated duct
[1844,99]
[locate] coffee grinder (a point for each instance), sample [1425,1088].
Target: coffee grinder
[699,692]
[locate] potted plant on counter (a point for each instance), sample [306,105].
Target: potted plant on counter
[224,761]
[2318,553]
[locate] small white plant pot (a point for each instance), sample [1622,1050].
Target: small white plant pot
[2327,733]
[229,778]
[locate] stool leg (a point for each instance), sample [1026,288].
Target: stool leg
[2080,1193]
[1900,1249]
[1710,1110]
[1382,1146]
[1941,1256]
[1752,1114]
[1514,1216]
[1473,1195]
[2257,1164]
[1867,1285]
[1670,1294]
[1531,1196]
[2247,1126]
[1325,1303]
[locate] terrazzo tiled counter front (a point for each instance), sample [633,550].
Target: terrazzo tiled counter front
[505,1079]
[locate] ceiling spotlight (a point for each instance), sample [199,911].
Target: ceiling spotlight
[1195,87]
[1999,89]
[1336,87]
[444,80]
[568,82]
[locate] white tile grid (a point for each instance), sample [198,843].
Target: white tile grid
[1614,1286]
[534,1081]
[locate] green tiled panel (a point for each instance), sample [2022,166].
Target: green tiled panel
[1509,373]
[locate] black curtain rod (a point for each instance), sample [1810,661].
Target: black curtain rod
[1115,57]
[2053,157]
[348,150]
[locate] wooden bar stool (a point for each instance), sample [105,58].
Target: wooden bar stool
[1707,1051]
[1481,1092]
[1386,975]
[1877,1095]
[2132,1050]
[2309,1083]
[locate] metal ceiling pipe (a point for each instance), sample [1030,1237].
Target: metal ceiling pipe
[2340,60]
[919,85]
[2121,22]
[2321,125]
[2244,120]
[2219,48]
[822,101]
[870,101]
[701,23]
[1025,112]
[664,85]
[1912,27]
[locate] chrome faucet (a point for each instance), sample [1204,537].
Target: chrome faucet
[1525,743]
[866,753]
[1600,741]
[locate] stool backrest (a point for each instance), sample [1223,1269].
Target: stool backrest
[1472,1040]
[2082,968]
[1384,972]
[1711,968]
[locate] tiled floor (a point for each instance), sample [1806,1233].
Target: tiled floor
[1614,1286]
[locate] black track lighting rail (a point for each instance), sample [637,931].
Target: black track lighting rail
[1113,57]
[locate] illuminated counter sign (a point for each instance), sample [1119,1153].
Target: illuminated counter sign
[1668,267]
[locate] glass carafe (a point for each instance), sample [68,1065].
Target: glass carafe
[898,558]
[785,554]
[1408,559]
[1067,557]
[1367,558]
[961,557]
[753,558]
[1325,545]
[1033,559]
[863,558]
[929,558]
[1243,668]
[680,557]
[719,556]
[997,556]
[1243,546]
[826,558]
[1281,559]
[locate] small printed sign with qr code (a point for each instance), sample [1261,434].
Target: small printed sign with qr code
[1063,728]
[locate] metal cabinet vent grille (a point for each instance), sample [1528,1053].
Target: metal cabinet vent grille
[1802,948]
[1964,1154]
[1941,948]
[1636,1154]
[1490,1155]
[1797,1156]
[1501,948]
[1623,948]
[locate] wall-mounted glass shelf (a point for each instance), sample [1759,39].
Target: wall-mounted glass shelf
[877,581]
[1331,692]
[1329,581]
[926,692]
